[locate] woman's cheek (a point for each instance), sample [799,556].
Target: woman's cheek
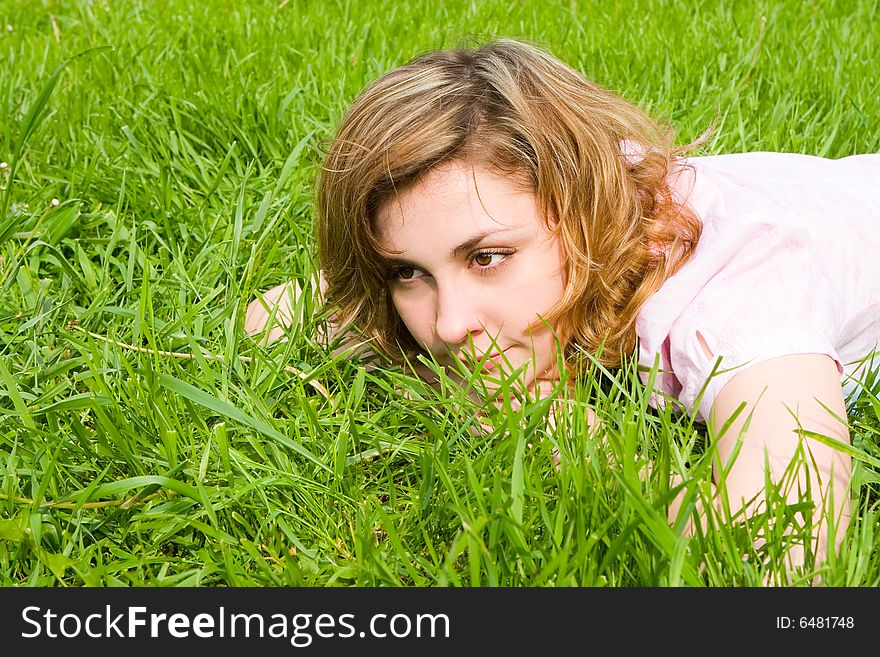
[415,319]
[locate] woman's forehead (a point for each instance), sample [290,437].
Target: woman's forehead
[456,198]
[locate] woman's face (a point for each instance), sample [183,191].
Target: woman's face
[476,270]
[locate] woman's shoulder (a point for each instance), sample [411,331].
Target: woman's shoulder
[814,196]
[767,170]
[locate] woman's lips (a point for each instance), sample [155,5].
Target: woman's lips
[489,361]
[494,359]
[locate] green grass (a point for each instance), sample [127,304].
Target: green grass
[163,175]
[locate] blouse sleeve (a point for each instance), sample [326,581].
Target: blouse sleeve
[772,295]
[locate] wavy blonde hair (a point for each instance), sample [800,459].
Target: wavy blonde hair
[598,166]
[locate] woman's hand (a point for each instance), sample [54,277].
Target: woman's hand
[788,401]
[274,311]
[280,300]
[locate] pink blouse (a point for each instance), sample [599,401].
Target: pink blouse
[788,263]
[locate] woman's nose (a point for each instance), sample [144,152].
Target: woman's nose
[457,318]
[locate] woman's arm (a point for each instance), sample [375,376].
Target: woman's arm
[283,297]
[784,395]
[282,304]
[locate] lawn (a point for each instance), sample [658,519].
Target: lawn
[157,164]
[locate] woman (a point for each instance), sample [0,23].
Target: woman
[492,206]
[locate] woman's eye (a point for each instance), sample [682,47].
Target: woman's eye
[490,259]
[405,274]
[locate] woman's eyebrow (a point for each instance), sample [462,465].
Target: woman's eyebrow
[468,245]
[462,249]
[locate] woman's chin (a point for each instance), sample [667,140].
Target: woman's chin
[491,377]
[496,380]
